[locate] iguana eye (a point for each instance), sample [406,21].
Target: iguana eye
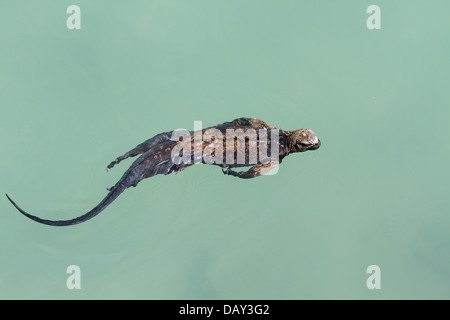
[302,143]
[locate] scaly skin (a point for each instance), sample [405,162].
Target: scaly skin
[156,158]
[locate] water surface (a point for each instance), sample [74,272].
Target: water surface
[375,193]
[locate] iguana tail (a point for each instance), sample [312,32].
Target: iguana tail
[112,195]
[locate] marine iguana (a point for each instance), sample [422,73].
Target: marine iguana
[157,158]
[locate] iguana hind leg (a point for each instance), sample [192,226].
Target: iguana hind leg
[143,147]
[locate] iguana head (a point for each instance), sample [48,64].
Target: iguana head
[303,139]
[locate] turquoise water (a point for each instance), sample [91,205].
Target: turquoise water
[375,193]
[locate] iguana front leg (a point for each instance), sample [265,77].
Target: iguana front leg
[252,122]
[255,171]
